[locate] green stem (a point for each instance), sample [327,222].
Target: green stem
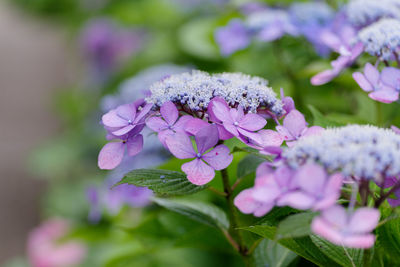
[379,114]
[233,218]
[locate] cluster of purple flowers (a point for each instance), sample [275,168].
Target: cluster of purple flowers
[311,174]
[360,26]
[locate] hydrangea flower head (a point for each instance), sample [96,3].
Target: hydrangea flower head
[383,87]
[363,151]
[347,229]
[363,12]
[201,170]
[382,38]
[46,250]
[195,90]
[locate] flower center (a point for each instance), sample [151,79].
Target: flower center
[236,123]
[198,155]
[130,121]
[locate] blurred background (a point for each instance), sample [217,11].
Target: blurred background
[63,63]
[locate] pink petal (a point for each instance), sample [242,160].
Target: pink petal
[206,138]
[253,136]
[252,122]
[223,133]
[295,123]
[284,176]
[313,130]
[156,124]
[245,202]
[323,77]
[371,73]
[395,129]
[270,138]
[127,112]
[359,241]
[263,169]
[286,135]
[180,146]
[219,158]
[124,130]
[180,125]
[230,128]
[391,77]
[263,209]
[134,145]
[111,119]
[385,96]
[193,125]
[266,189]
[364,220]
[336,216]
[297,200]
[198,172]
[220,110]
[111,155]
[169,112]
[236,114]
[363,82]
[320,227]
[356,51]
[311,178]
[163,135]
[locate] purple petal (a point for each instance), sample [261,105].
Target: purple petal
[263,169]
[331,40]
[232,37]
[180,146]
[198,172]
[285,134]
[285,175]
[270,33]
[219,158]
[143,112]
[163,135]
[253,136]
[391,77]
[371,73]
[111,155]
[169,112]
[230,128]
[359,241]
[364,220]
[127,112]
[297,200]
[220,110]
[236,114]
[111,119]
[181,124]
[313,130]
[270,138]
[134,145]
[123,130]
[385,96]
[244,201]
[395,129]
[323,77]
[295,123]
[206,138]
[336,216]
[252,122]
[311,178]
[223,133]
[194,125]
[363,82]
[356,51]
[156,124]
[324,229]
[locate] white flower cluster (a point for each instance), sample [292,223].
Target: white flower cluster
[135,87]
[364,12]
[382,38]
[196,89]
[362,151]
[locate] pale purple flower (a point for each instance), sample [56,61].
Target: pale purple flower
[349,229]
[198,172]
[46,250]
[381,87]
[395,129]
[169,123]
[288,103]
[246,203]
[232,37]
[222,132]
[315,189]
[268,141]
[237,123]
[295,127]
[112,153]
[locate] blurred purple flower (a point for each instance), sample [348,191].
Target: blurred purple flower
[106,46]
[232,37]
[198,172]
[288,103]
[347,229]
[45,248]
[295,127]
[383,87]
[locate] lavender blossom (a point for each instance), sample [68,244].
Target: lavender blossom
[232,37]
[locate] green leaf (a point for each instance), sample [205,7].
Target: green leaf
[248,165]
[161,181]
[199,211]
[321,120]
[342,255]
[388,234]
[270,253]
[296,225]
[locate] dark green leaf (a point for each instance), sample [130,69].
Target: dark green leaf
[342,255]
[199,211]
[296,225]
[248,165]
[269,253]
[321,120]
[161,181]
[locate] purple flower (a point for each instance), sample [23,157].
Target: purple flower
[198,172]
[295,127]
[232,37]
[381,87]
[347,229]
[168,123]
[247,204]
[314,189]
[125,118]
[222,132]
[237,123]
[112,153]
[288,103]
